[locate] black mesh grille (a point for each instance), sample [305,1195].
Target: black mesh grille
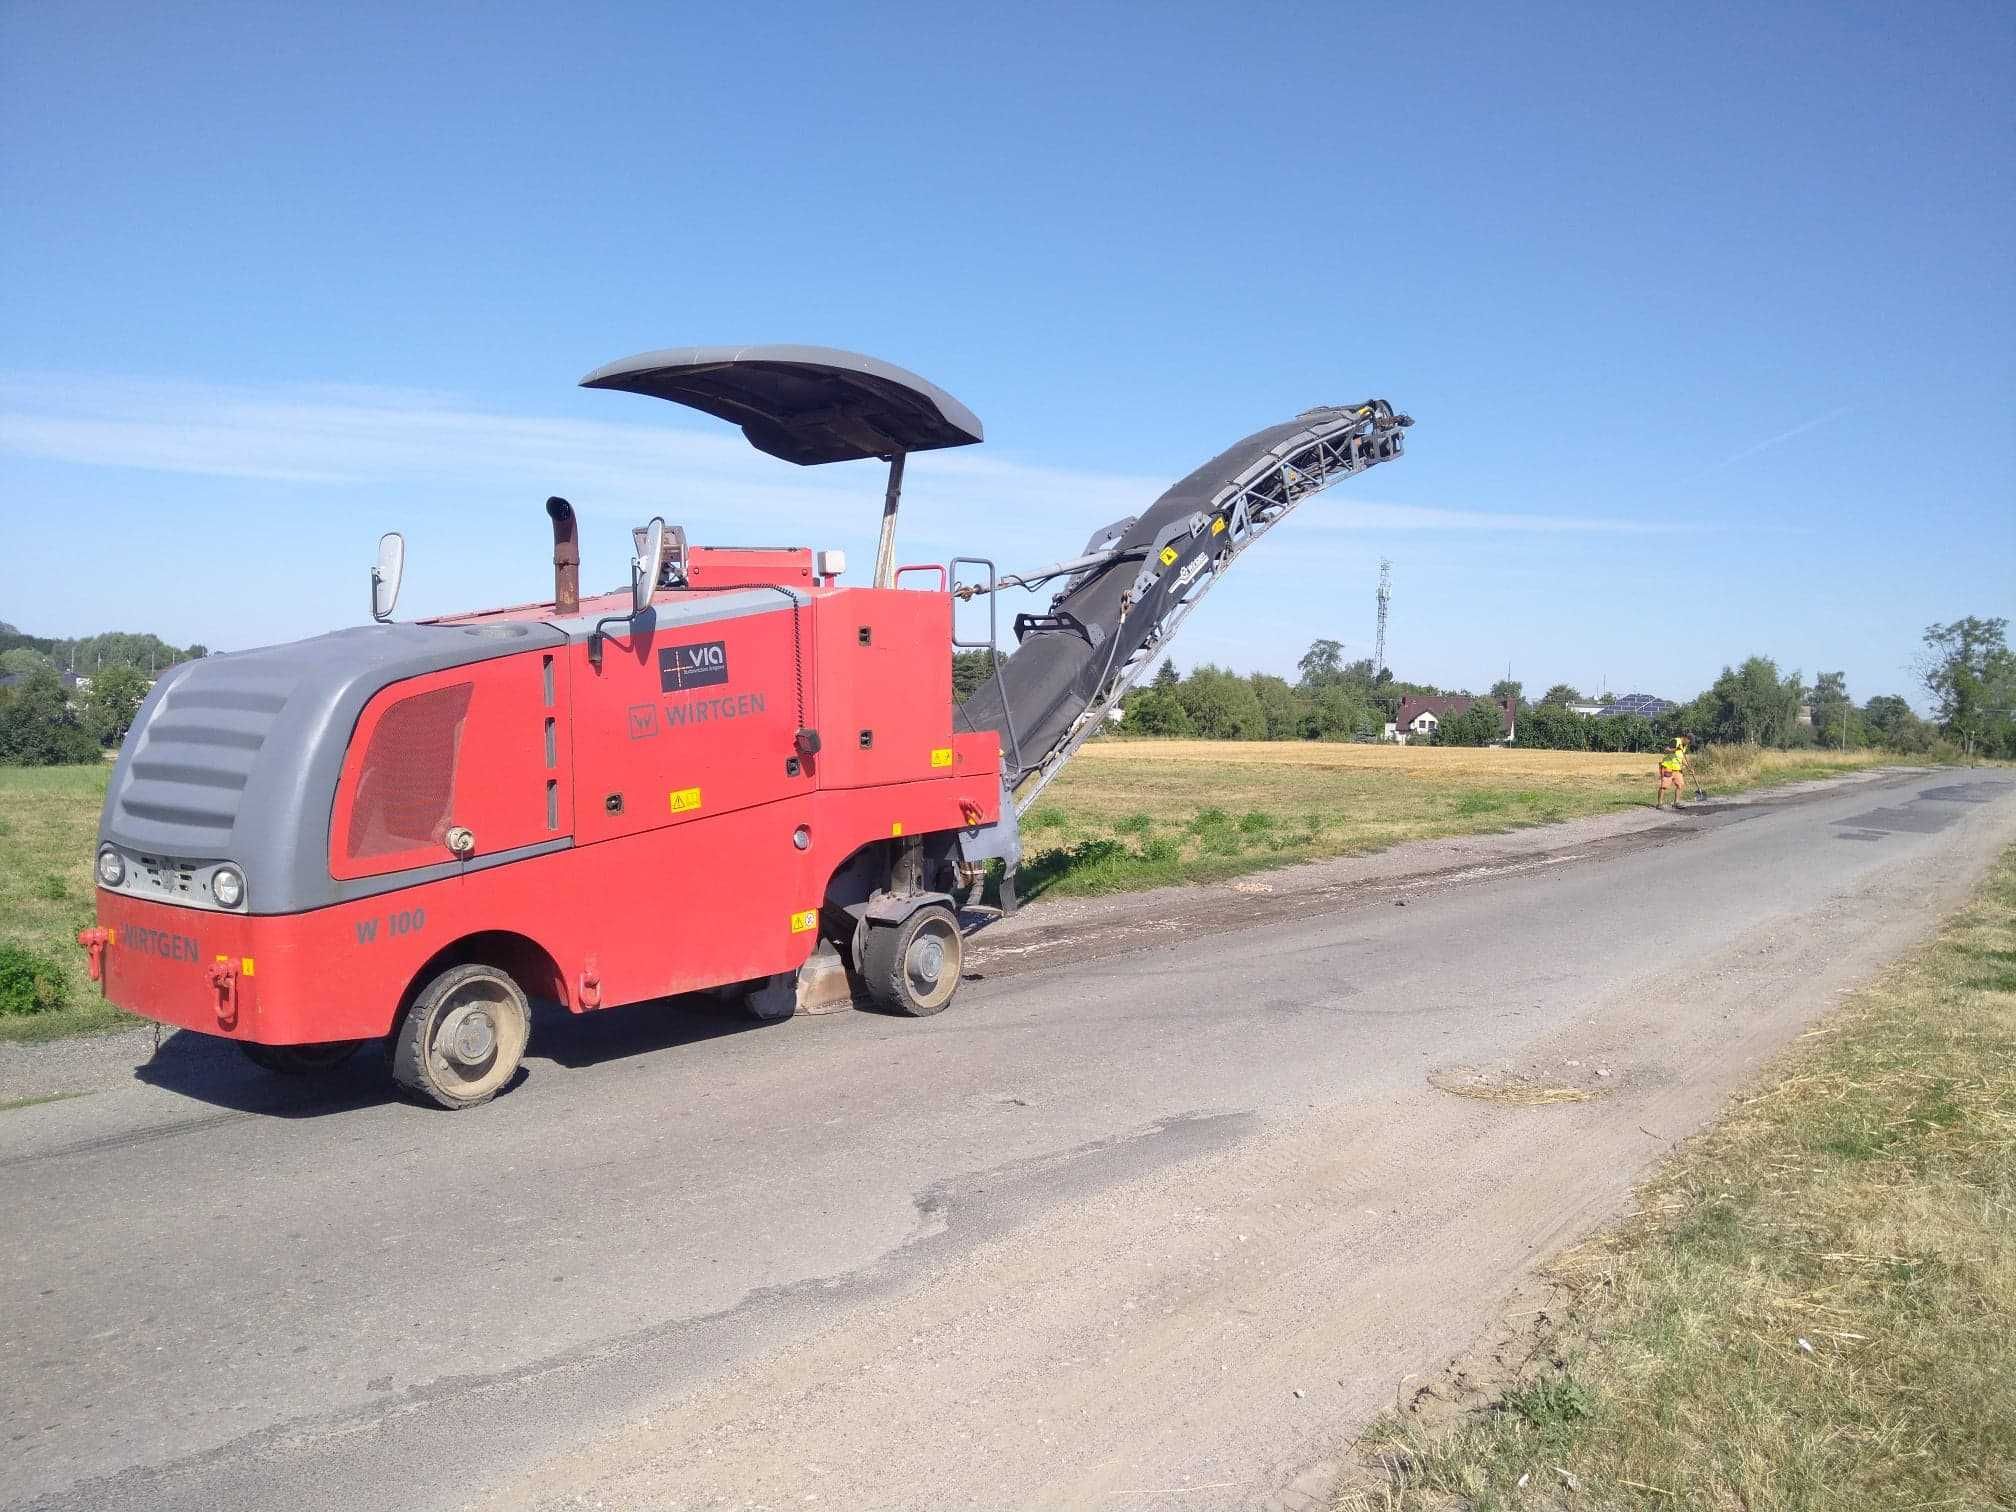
[407,782]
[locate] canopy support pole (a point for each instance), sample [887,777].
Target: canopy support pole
[885,549]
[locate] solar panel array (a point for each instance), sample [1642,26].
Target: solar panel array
[1642,704]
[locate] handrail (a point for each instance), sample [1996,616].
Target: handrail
[944,578]
[992,645]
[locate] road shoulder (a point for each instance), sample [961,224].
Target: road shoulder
[1811,1304]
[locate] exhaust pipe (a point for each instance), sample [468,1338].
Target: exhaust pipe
[566,557]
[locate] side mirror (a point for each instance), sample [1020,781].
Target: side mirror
[385,575]
[643,579]
[644,567]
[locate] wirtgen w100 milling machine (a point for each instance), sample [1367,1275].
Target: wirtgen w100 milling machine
[740,775]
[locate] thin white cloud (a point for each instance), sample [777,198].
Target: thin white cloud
[349,437]
[357,438]
[1778,440]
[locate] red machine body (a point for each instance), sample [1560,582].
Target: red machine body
[703,839]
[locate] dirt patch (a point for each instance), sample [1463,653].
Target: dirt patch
[1527,1348]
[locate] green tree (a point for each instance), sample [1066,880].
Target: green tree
[1548,726]
[1753,704]
[22,659]
[1891,722]
[1167,677]
[1971,675]
[1222,705]
[969,670]
[1560,694]
[1285,710]
[37,728]
[1333,714]
[1321,664]
[113,700]
[1157,711]
[121,648]
[1834,722]
[1507,687]
[1361,675]
[1481,724]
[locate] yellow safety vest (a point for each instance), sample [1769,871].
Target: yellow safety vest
[1674,762]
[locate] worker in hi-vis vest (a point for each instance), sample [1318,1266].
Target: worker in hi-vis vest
[1673,772]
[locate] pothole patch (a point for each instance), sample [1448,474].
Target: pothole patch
[1506,1088]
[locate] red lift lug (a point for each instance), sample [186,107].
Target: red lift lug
[94,940]
[224,982]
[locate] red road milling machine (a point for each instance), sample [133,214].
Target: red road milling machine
[739,776]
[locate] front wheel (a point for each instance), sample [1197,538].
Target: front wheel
[913,967]
[299,1060]
[463,1038]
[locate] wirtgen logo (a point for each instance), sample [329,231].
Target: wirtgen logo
[683,667]
[159,942]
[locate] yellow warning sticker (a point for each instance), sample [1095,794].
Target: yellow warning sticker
[1168,555]
[685,800]
[942,756]
[1218,526]
[804,920]
[896,829]
[245,966]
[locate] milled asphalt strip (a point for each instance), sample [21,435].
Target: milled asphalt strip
[1134,921]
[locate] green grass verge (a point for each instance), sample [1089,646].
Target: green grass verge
[1816,1306]
[48,822]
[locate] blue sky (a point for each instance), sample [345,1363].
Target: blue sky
[1706,317]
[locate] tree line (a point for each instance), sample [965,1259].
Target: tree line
[46,720]
[1966,668]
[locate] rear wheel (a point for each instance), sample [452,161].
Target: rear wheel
[464,1037]
[913,967]
[299,1060]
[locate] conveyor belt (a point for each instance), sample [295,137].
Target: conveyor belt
[1138,577]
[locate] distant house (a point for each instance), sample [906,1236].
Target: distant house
[1419,718]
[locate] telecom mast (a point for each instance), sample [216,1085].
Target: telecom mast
[1385,604]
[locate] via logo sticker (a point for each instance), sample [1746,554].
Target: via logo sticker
[697,666]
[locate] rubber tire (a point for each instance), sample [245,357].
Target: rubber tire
[299,1060]
[427,1077]
[886,948]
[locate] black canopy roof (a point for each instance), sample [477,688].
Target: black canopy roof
[805,404]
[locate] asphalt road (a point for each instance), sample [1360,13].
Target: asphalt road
[1161,1210]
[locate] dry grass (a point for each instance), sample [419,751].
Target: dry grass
[1128,814]
[1730,767]
[1816,1305]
